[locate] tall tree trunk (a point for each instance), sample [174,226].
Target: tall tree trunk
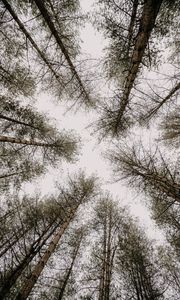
[30,282]
[34,249]
[108,258]
[65,282]
[147,22]
[132,22]
[28,36]
[44,12]
[102,278]
[13,140]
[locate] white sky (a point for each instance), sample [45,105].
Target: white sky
[90,160]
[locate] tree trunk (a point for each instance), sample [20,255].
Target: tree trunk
[108,258]
[102,279]
[8,139]
[35,248]
[48,20]
[28,36]
[132,22]
[30,282]
[147,22]
[65,282]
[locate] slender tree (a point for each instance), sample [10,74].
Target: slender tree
[67,78]
[135,26]
[158,178]
[25,131]
[99,281]
[170,265]
[81,190]
[137,265]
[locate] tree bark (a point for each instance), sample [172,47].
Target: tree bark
[8,139]
[108,258]
[132,22]
[35,248]
[102,279]
[147,22]
[49,22]
[30,282]
[28,36]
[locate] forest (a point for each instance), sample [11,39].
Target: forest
[65,233]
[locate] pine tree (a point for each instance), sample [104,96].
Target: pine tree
[24,132]
[80,191]
[137,265]
[57,56]
[158,178]
[131,27]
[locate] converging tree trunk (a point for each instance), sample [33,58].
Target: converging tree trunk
[34,249]
[68,274]
[147,22]
[44,12]
[30,282]
[29,37]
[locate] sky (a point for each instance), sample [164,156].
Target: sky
[91,158]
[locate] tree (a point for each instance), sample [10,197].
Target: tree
[34,224]
[99,279]
[66,265]
[152,174]
[130,32]
[24,132]
[80,191]
[16,76]
[55,24]
[137,265]
[170,266]
[147,171]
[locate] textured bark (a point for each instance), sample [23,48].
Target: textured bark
[28,36]
[48,20]
[30,282]
[147,22]
[35,248]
